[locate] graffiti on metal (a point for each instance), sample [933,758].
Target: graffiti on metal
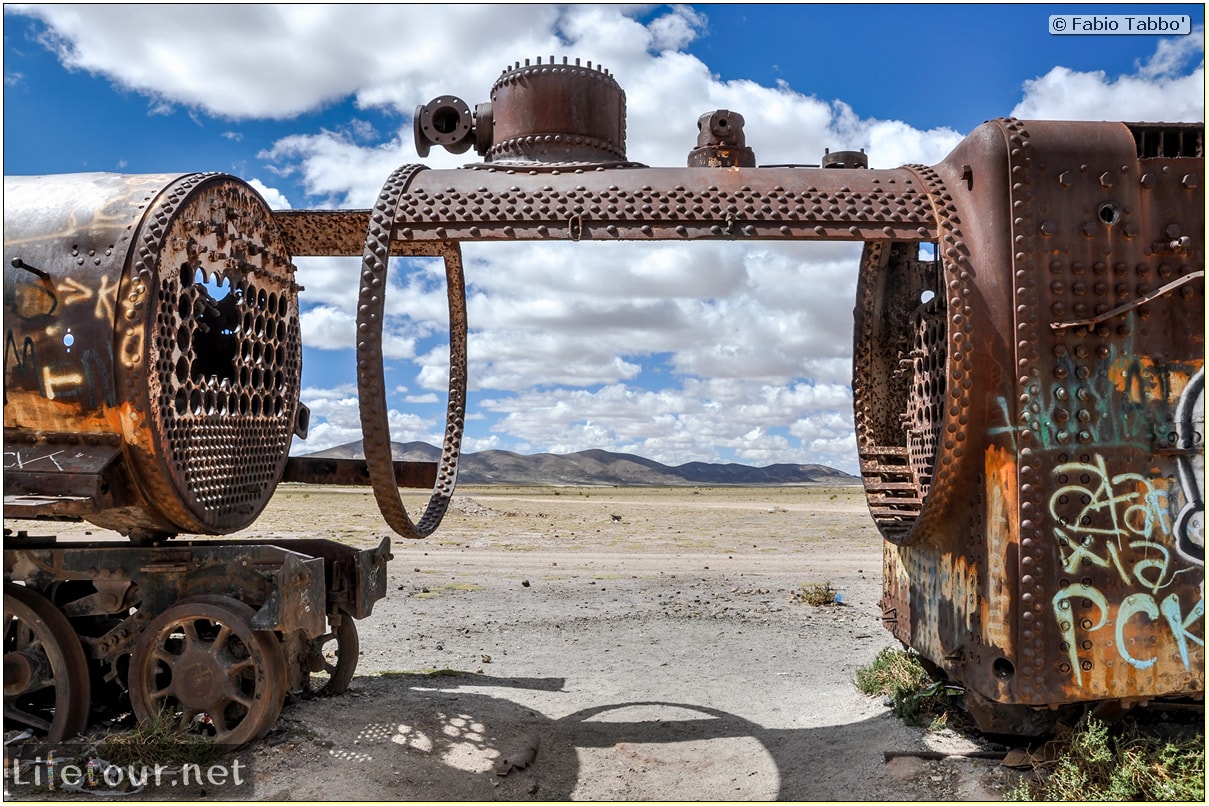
[1028,383]
[1121,523]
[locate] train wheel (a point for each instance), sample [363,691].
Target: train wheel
[335,656]
[46,684]
[201,663]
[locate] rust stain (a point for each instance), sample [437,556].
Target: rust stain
[1140,379]
[1024,350]
[1001,525]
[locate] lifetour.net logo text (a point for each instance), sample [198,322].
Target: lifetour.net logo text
[75,770]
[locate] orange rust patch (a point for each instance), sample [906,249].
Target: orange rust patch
[1136,378]
[1003,506]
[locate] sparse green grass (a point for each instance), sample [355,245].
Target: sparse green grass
[818,594]
[915,697]
[1092,762]
[300,731]
[429,672]
[158,742]
[435,591]
[1121,763]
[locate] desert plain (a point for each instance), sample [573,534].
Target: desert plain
[611,643]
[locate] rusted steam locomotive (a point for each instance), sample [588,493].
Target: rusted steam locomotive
[1029,396]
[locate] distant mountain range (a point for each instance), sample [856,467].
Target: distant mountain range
[596,467]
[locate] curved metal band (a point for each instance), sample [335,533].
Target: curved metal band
[1192,487]
[371,386]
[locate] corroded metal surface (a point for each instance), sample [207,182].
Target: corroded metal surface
[371,387]
[1052,323]
[911,420]
[540,116]
[152,368]
[320,470]
[323,232]
[203,659]
[1109,605]
[557,114]
[721,142]
[639,204]
[45,673]
[159,312]
[1028,368]
[110,591]
[1066,563]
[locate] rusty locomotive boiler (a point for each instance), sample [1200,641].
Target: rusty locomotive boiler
[152,368]
[1028,388]
[1030,419]
[154,351]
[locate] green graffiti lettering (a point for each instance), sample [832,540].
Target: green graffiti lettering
[1160,564]
[1130,606]
[1179,625]
[1066,619]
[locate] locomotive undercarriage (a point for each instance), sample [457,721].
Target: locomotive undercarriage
[210,634]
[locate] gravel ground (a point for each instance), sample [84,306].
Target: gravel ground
[636,644]
[611,644]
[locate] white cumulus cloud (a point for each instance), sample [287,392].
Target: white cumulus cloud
[1170,86]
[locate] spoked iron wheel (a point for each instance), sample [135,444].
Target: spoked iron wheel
[334,658]
[202,665]
[46,685]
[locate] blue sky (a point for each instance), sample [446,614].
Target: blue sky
[712,352]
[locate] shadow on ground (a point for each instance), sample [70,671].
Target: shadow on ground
[448,736]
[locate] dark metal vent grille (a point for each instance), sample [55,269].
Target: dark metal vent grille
[1168,140]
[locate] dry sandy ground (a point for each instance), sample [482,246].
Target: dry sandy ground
[631,644]
[647,642]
